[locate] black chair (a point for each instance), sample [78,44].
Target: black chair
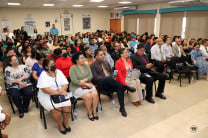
[10,99]
[182,69]
[1,134]
[42,116]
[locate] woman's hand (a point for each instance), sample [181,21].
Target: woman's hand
[89,85]
[62,92]
[194,61]
[81,82]
[22,84]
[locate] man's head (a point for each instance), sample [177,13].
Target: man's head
[117,46]
[10,51]
[199,40]
[178,41]
[53,26]
[167,40]
[57,52]
[45,46]
[140,49]
[159,41]
[23,28]
[161,36]
[133,38]
[99,55]
[205,42]
[148,40]
[103,47]
[91,41]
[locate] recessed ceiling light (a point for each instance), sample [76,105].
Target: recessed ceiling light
[48,5]
[102,6]
[96,0]
[125,2]
[14,4]
[77,5]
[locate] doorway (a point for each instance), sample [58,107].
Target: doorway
[115,25]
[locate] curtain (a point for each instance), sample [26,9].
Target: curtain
[197,24]
[171,23]
[146,23]
[130,23]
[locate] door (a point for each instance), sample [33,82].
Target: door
[115,25]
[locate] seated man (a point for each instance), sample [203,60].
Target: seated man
[55,55]
[141,62]
[45,49]
[102,76]
[108,57]
[158,55]
[178,51]
[204,48]
[115,55]
[4,121]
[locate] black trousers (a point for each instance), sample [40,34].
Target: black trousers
[150,80]
[159,66]
[21,98]
[110,85]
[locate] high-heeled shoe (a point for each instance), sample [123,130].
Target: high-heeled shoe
[63,132]
[67,129]
[90,118]
[95,117]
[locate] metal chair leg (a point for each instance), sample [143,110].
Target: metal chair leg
[180,79]
[44,119]
[10,101]
[1,134]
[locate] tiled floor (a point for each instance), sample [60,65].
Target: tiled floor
[185,107]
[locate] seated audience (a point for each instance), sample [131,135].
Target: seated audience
[18,85]
[55,55]
[148,47]
[158,55]
[55,45]
[199,60]
[81,86]
[88,56]
[4,121]
[37,68]
[92,44]
[178,50]
[124,65]
[26,53]
[102,76]
[133,43]
[4,59]
[107,57]
[141,62]
[204,48]
[53,82]
[45,49]
[64,63]
[31,60]
[115,54]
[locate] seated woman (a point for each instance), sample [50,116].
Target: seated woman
[53,82]
[38,67]
[199,60]
[81,85]
[31,60]
[123,65]
[88,55]
[17,79]
[64,63]
[26,53]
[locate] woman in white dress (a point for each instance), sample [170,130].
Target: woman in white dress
[53,82]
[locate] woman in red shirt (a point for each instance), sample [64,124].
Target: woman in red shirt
[64,63]
[123,65]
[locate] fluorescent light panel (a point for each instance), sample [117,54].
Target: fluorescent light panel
[96,0]
[48,4]
[102,6]
[125,2]
[13,4]
[77,5]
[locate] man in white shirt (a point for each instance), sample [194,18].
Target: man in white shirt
[4,121]
[204,48]
[8,34]
[158,55]
[50,42]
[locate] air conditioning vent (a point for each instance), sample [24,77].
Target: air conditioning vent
[126,8]
[184,2]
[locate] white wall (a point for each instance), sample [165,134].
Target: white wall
[99,18]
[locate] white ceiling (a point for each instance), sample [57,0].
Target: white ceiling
[69,3]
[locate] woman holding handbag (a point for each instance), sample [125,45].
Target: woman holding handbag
[125,76]
[81,86]
[53,94]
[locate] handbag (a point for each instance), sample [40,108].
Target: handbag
[85,87]
[58,98]
[133,74]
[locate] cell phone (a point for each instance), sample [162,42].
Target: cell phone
[62,98]
[115,72]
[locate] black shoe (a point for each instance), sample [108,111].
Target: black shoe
[150,100]
[161,96]
[21,115]
[63,132]
[67,129]
[91,119]
[96,117]
[130,89]
[123,112]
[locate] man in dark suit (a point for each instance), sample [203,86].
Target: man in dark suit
[141,62]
